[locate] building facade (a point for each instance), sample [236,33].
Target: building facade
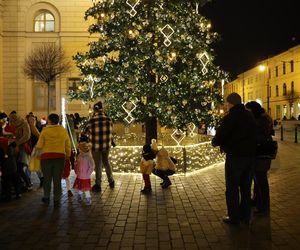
[274,83]
[25,24]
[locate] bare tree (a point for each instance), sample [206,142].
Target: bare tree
[46,63]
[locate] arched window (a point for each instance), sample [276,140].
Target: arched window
[284,89]
[44,22]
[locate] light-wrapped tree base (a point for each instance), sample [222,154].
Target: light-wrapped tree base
[191,157]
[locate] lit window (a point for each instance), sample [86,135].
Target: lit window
[74,84]
[44,22]
[40,96]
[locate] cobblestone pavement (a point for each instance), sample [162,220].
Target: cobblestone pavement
[185,216]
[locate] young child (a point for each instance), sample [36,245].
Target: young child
[146,167]
[83,168]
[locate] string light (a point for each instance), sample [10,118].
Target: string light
[190,158]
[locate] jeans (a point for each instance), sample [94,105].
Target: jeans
[52,170]
[261,184]
[101,158]
[164,174]
[238,174]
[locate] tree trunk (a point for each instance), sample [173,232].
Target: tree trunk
[151,129]
[151,122]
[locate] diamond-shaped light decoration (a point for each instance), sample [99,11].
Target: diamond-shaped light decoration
[191,126]
[204,59]
[132,4]
[164,78]
[178,135]
[167,31]
[129,107]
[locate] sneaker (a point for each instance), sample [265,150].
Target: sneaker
[112,184]
[96,188]
[88,201]
[79,198]
[70,194]
[166,184]
[146,190]
[46,200]
[228,220]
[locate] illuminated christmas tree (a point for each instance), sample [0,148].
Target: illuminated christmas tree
[152,61]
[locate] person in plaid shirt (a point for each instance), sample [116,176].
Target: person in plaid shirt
[99,128]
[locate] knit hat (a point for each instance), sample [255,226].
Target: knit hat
[98,106]
[234,99]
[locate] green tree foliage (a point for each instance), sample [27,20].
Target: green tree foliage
[156,54]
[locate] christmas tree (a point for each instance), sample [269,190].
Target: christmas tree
[152,61]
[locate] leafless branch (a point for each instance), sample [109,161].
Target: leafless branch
[46,63]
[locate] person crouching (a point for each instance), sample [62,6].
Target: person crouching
[164,167]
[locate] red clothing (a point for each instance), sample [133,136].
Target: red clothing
[4,145]
[82,184]
[67,169]
[45,156]
[10,129]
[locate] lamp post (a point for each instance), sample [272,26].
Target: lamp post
[265,68]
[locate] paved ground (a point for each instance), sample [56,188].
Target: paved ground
[186,216]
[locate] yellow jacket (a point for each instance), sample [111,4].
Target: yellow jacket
[146,167]
[54,139]
[163,161]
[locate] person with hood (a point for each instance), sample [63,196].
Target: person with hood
[261,197]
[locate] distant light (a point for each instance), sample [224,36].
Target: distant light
[262,68]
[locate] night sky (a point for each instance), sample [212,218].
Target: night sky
[252,30]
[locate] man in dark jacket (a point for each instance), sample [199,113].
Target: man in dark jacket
[236,137]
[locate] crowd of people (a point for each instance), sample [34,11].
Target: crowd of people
[242,133]
[21,140]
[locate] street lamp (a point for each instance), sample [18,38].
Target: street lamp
[265,68]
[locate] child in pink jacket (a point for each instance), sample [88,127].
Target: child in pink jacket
[84,168]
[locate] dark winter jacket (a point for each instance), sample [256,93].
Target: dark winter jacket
[264,128]
[237,133]
[8,162]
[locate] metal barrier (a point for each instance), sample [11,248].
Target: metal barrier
[289,133]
